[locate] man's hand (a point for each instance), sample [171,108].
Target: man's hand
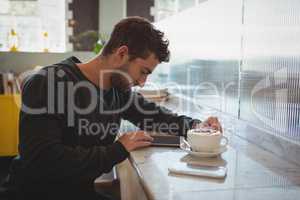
[211,122]
[135,140]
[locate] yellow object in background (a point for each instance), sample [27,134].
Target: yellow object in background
[9,124]
[13,41]
[45,42]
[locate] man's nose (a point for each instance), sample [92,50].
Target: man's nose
[142,81]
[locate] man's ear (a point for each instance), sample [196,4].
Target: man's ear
[122,53]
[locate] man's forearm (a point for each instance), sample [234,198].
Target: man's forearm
[149,116]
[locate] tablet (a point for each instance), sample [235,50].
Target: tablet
[166,140]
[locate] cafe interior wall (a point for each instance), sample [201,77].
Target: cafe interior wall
[19,62]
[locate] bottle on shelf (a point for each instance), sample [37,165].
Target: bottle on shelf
[13,40]
[45,41]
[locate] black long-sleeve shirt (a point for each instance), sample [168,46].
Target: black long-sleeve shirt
[62,142]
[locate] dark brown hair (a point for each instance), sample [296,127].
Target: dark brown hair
[141,38]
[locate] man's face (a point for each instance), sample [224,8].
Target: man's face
[134,72]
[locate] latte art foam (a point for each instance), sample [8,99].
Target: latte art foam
[206,132]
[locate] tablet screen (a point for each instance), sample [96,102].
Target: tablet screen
[168,140]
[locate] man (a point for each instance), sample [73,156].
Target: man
[71,112]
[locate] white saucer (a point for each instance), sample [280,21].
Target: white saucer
[203,154]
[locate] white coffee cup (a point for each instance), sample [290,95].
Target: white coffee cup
[206,140]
